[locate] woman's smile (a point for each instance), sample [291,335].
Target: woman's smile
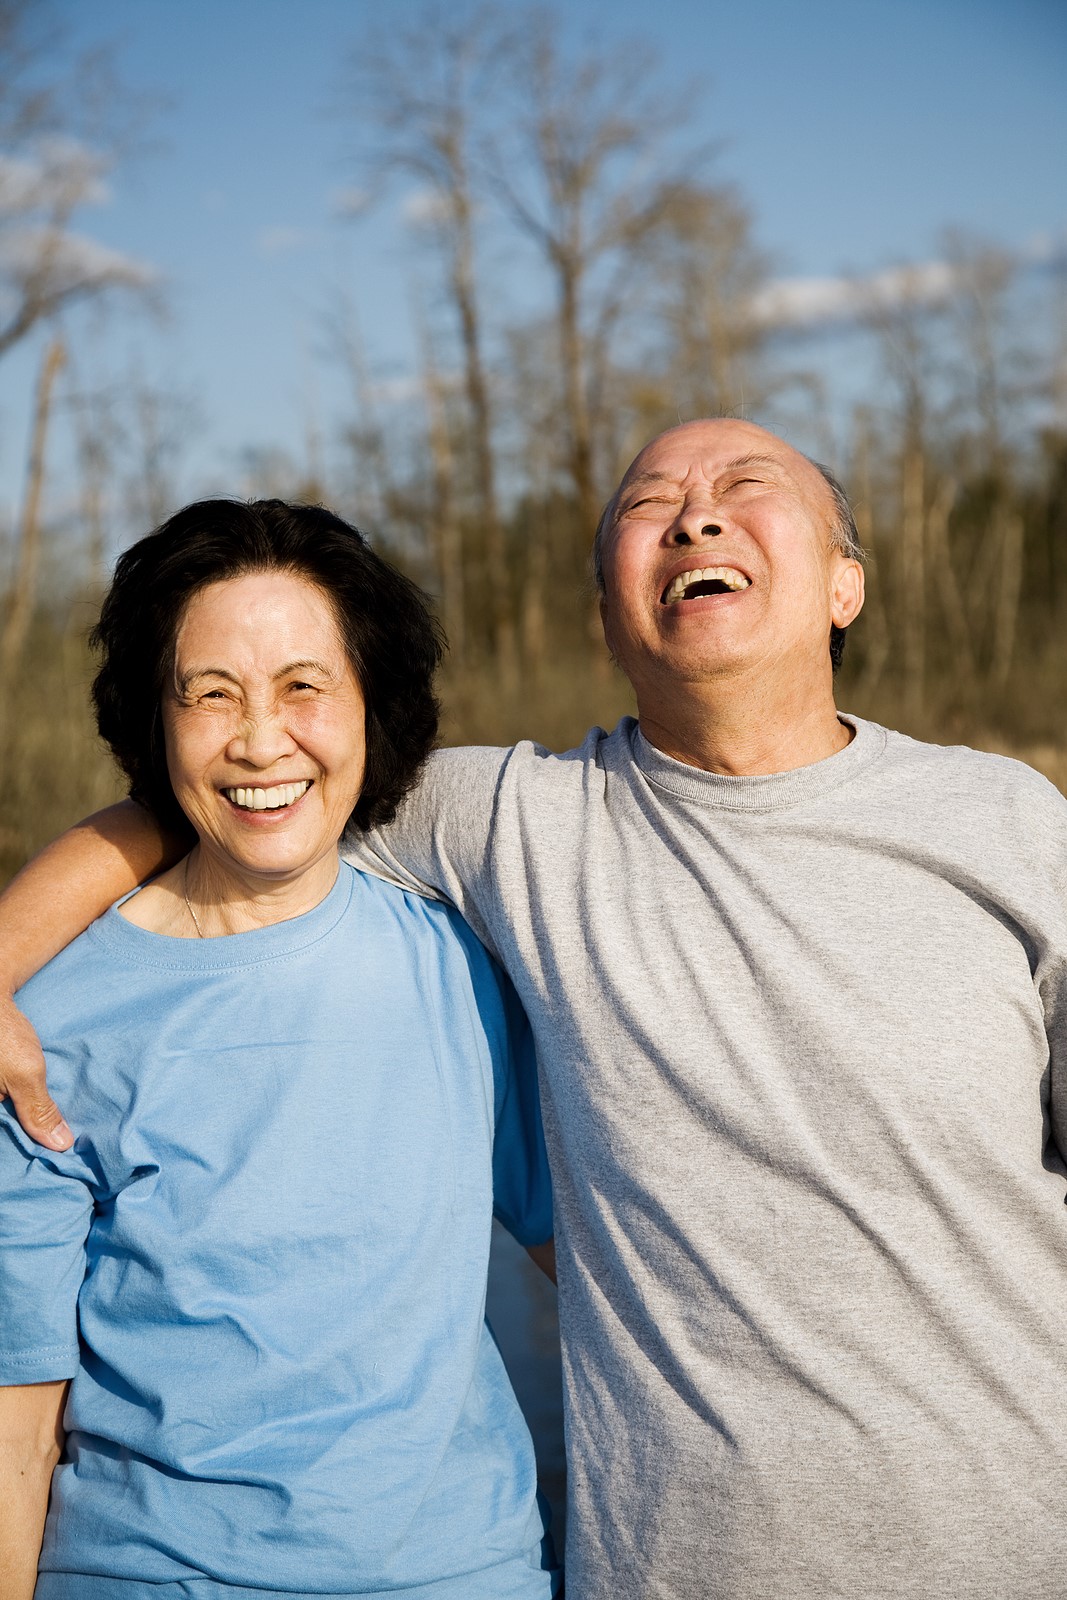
[265,734]
[275,798]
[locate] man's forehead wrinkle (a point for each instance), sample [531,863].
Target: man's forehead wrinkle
[638,478]
[657,475]
[754,460]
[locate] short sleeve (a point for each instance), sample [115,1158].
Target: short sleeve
[522,1187]
[46,1208]
[1044,833]
[436,844]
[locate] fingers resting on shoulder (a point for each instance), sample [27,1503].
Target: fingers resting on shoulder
[23,1080]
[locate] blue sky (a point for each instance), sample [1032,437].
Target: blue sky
[855,131]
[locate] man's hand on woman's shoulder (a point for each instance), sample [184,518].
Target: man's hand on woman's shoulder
[22,1078]
[51,901]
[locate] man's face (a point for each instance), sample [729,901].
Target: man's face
[719,560]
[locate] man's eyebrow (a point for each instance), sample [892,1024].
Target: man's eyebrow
[640,479]
[751,461]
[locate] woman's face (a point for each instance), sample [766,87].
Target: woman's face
[264,725]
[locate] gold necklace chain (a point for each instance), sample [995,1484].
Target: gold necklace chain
[185,896]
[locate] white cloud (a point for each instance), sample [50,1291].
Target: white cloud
[423,207]
[1046,250]
[279,241]
[60,173]
[68,258]
[349,202]
[815,302]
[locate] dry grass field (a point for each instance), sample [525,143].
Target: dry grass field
[56,771]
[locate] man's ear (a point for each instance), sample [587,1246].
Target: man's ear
[846,593]
[602,604]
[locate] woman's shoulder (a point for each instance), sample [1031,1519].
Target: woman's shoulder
[81,964]
[418,916]
[433,930]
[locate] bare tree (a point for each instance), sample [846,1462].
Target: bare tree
[419,93]
[445,528]
[59,137]
[588,175]
[23,589]
[160,423]
[98,437]
[708,272]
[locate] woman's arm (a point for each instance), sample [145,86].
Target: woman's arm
[31,1437]
[48,904]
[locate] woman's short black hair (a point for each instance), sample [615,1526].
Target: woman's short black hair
[390,635]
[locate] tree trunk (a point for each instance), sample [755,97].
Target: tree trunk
[20,601]
[1009,588]
[913,579]
[477,391]
[445,530]
[939,564]
[572,360]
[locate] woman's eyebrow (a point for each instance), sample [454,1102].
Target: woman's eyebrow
[184,680]
[308,665]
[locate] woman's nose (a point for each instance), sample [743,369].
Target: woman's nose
[261,741]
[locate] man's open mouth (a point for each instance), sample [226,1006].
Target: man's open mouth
[702,581]
[282,794]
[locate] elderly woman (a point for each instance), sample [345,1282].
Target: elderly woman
[280,1378]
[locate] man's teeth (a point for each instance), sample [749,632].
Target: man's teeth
[728,576]
[268,799]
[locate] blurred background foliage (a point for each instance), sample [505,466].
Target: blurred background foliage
[484,477]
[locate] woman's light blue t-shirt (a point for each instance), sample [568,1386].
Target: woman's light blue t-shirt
[264,1261]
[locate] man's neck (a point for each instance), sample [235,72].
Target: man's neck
[742,735]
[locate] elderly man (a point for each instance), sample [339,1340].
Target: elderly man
[800,991]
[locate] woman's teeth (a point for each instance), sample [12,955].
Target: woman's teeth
[268,799]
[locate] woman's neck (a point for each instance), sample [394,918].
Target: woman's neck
[201,898]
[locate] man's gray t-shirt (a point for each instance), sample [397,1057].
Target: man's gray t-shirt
[804,1051]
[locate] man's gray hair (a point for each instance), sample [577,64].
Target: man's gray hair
[844,535]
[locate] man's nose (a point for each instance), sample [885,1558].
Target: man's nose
[693,525]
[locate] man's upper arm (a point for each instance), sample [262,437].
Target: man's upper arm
[1039,825]
[73,880]
[436,845]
